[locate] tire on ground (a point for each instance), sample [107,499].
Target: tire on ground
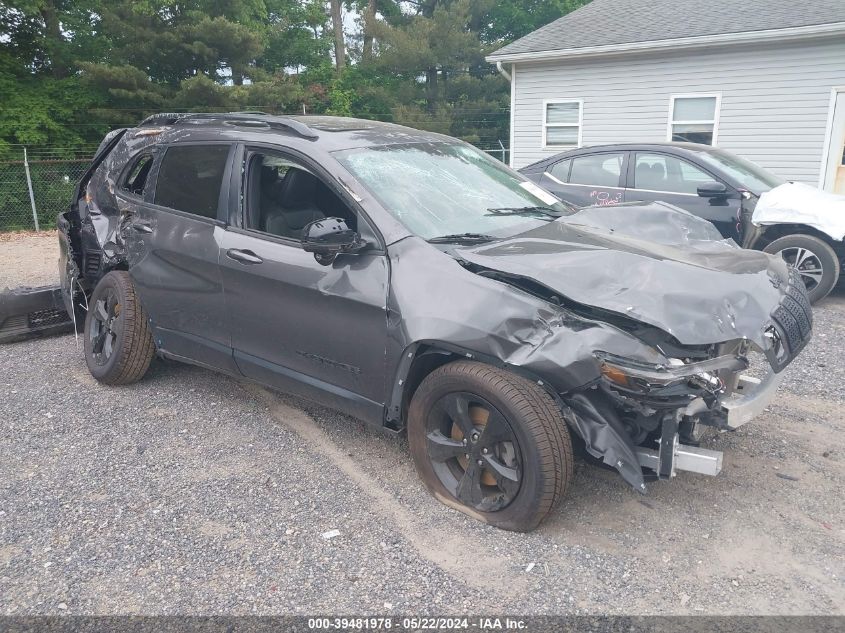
[133,348]
[823,251]
[544,441]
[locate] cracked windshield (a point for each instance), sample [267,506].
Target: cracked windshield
[449,189]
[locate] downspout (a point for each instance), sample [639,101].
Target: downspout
[504,73]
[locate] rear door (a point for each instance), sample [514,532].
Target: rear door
[172,232]
[658,177]
[588,179]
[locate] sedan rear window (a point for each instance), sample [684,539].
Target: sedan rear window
[190,178]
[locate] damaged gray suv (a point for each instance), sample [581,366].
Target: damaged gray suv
[410,280]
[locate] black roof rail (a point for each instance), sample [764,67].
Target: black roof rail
[234,118]
[163,118]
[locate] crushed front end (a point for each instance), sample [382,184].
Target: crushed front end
[658,410]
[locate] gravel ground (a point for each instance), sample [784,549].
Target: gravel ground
[28,258]
[193,493]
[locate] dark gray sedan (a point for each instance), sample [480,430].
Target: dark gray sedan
[706,181]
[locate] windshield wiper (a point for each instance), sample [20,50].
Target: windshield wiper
[470,238]
[547,211]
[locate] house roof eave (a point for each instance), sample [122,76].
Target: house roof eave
[745,37]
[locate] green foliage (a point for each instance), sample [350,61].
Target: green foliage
[70,70]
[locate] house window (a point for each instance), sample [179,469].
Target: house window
[562,124]
[694,118]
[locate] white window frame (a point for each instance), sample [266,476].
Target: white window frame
[546,125]
[695,95]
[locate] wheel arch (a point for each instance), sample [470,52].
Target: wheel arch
[421,358]
[776,231]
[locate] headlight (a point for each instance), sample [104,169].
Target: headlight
[634,375]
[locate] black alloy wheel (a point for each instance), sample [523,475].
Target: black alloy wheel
[104,324]
[474,451]
[118,337]
[490,443]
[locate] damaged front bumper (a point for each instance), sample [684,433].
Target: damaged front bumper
[643,416]
[750,397]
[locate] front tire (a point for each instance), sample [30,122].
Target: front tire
[815,260]
[491,444]
[118,342]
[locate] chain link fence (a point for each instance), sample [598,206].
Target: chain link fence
[37,184]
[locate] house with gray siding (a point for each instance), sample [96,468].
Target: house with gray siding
[764,79]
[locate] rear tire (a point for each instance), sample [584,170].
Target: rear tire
[814,259]
[491,444]
[118,342]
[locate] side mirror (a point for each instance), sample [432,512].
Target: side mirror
[329,237]
[712,189]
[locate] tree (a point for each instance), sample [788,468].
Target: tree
[337,27]
[70,70]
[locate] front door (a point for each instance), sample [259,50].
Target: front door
[658,177]
[588,180]
[314,330]
[171,241]
[834,177]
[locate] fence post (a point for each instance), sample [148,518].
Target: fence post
[29,185]
[503,151]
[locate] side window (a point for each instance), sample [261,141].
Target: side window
[661,172]
[136,178]
[560,170]
[190,178]
[601,170]
[283,196]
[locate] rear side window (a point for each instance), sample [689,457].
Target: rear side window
[136,178]
[602,170]
[560,170]
[190,178]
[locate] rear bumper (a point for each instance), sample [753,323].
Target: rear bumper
[30,311]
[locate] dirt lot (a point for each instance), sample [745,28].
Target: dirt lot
[194,493]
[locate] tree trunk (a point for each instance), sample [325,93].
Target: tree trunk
[369,22]
[237,74]
[431,95]
[339,46]
[53,40]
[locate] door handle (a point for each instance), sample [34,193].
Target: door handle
[245,256]
[142,228]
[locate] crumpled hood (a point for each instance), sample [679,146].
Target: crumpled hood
[654,263]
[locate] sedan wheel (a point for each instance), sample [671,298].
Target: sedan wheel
[807,263]
[813,258]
